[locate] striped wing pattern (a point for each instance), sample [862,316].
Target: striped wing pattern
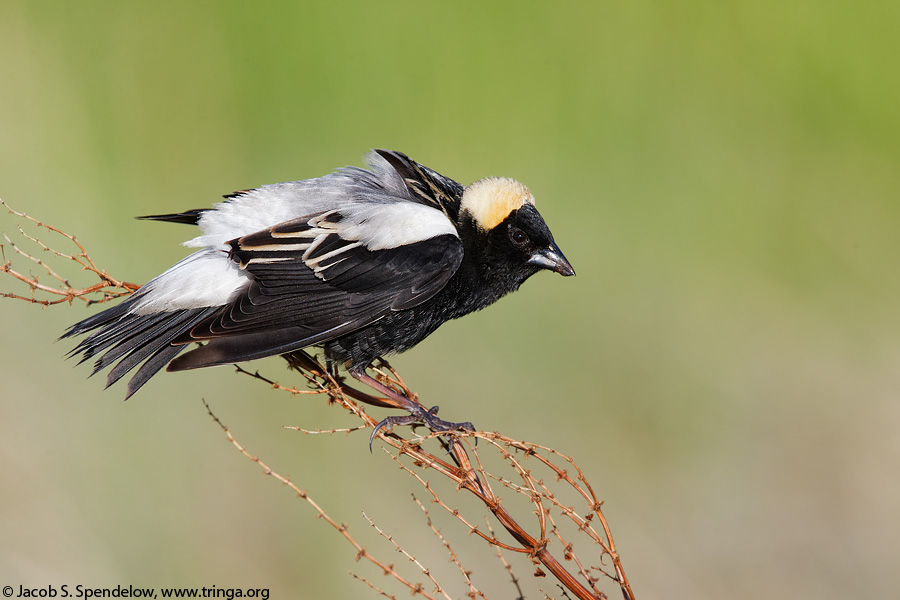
[309,285]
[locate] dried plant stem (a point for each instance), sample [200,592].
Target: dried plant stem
[361,553]
[473,591]
[108,288]
[505,563]
[425,571]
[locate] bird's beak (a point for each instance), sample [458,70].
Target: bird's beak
[552,258]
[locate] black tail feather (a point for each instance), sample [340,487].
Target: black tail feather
[95,321]
[144,343]
[151,367]
[188,217]
[117,334]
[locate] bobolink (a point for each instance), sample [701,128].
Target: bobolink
[363,263]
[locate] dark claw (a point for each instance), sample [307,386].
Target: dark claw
[420,416]
[389,424]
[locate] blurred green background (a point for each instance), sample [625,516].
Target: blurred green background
[723,176]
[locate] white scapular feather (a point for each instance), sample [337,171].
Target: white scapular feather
[383,226]
[379,216]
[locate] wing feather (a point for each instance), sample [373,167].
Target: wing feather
[312,295]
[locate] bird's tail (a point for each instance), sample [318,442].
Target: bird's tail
[118,334]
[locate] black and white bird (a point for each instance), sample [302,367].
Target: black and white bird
[362,263]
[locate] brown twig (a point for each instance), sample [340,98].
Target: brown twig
[106,289]
[361,552]
[473,591]
[425,571]
[515,580]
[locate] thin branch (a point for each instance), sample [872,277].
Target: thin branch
[473,591]
[512,575]
[108,288]
[361,553]
[425,571]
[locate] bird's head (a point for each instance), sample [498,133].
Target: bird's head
[510,230]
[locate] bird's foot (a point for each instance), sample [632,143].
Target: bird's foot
[419,416]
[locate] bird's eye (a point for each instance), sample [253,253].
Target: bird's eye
[518,237]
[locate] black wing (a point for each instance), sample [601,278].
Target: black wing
[425,185]
[308,287]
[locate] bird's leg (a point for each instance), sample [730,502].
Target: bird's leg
[418,414]
[360,396]
[300,360]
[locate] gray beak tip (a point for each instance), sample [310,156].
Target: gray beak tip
[552,259]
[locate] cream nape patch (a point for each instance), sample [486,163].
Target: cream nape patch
[489,201]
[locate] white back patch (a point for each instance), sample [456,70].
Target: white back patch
[391,225]
[489,201]
[205,278]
